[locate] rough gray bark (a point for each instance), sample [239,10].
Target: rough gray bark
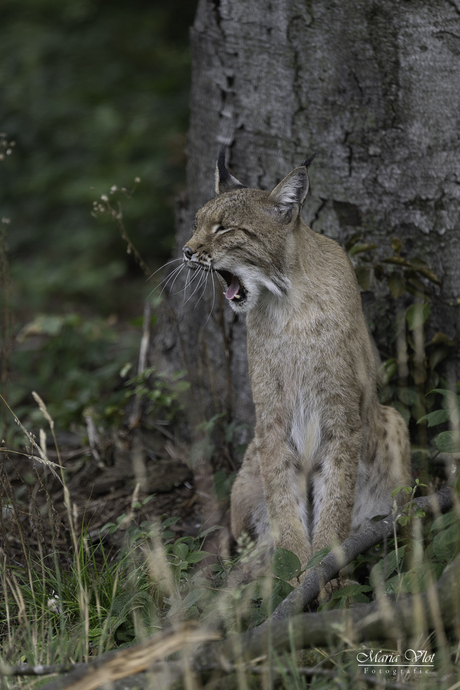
[374,87]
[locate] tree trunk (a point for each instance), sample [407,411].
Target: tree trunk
[374,88]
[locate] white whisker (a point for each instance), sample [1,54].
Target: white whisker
[172,284]
[198,285]
[169,277]
[188,281]
[172,276]
[213,297]
[164,266]
[203,291]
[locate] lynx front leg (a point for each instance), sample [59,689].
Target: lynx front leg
[249,514]
[248,509]
[285,489]
[333,498]
[334,488]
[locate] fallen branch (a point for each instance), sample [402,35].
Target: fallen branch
[39,670]
[319,575]
[115,665]
[384,619]
[309,672]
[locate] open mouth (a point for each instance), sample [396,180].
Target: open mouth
[234,290]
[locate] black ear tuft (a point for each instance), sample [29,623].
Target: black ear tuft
[221,168]
[308,161]
[225,182]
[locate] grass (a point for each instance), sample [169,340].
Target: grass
[72,604]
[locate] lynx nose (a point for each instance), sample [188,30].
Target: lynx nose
[188,253]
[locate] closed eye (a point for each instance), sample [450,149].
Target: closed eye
[219,229]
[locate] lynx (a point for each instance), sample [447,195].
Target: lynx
[325,455]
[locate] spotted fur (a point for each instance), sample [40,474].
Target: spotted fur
[325,454]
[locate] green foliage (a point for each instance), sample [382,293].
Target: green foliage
[345,596]
[216,432]
[159,391]
[402,274]
[413,368]
[409,511]
[318,556]
[73,363]
[446,441]
[223,483]
[178,574]
[285,564]
[94,94]
[81,366]
[94,594]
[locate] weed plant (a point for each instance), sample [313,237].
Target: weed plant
[57,610]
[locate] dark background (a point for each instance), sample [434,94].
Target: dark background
[93,94]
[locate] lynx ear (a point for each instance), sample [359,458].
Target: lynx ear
[224,181]
[293,190]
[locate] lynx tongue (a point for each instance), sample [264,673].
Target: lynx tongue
[233,288]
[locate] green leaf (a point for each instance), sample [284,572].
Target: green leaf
[438,354]
[418,314]
[354,239]
[350,591]
[397,284]
[181,551]
[205,532]
[386,567]
[364,275]
[285,564]
[450,398]
[187,603]
[397,260]
[444,521]
[415,285]
[427,273]
[223,485]
[360,248]
[448,442]
[197,556]
[396,245]
[169,521]
[125,369]
[181,386]
[111,527]
[441,338]
[318,556]
[408,396]
[278,591]
[389,368]
[435,418]
[446,544]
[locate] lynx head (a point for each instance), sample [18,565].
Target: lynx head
[243,235]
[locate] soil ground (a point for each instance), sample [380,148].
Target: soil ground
[102,482]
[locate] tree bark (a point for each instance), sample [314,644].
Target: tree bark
[374,88]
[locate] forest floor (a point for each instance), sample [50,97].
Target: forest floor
[103,482]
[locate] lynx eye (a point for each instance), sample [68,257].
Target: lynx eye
[219,229]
